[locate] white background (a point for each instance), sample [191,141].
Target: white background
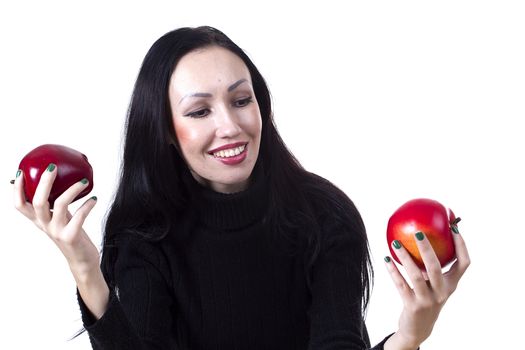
[391,100]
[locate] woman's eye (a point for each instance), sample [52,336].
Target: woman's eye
[243,102]
[201,113]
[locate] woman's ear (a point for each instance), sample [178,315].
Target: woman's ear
[177,155]
[172,140]
[174,148]
[175,145]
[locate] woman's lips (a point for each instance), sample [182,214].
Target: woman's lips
[235,159]
[228,146]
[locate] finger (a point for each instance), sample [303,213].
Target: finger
[60,208]
[461,252]
[431,261]
[19,197]
[425,276]
[81,214]
[462,262]
[401,284]
[413,271]
[41,197]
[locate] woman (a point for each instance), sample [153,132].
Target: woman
[217,237]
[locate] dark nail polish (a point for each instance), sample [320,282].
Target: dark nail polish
[51,167]
[387,259]
[456,221]
[84,181]
[420,236]
[18,173]
[94,198]
[454,229]
[396,244]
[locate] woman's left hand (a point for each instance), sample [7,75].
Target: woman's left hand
[423,303]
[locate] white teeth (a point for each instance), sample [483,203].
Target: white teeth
[229,152]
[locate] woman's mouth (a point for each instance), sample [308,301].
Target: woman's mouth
[232,156]
[228,153]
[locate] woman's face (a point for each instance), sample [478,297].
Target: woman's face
[214,107]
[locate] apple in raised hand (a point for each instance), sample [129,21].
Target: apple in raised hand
[427,216]
[72,166]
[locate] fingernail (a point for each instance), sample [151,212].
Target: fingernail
[18,173]
[94,198]
[396,244]
[420,236]
[387,259]
[51,167]
[454,229]
[12,182]
[84,181]
[456,221]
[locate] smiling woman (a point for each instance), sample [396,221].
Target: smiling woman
[218,132]
[217,236]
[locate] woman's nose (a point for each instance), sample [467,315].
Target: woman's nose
[226,124]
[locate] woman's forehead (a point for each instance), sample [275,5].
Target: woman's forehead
[207,69]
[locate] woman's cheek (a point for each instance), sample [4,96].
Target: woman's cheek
[181,131]
[256,126]
[187,137]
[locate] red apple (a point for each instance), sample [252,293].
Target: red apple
[431,218]
[72,166]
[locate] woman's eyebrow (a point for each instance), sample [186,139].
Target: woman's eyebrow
[196,94]
[237,83]
[206,94]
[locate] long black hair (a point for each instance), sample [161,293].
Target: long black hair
[151,198]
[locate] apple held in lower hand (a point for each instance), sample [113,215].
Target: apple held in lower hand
[72,166]
[431,218]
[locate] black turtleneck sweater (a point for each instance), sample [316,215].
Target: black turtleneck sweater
[230,283]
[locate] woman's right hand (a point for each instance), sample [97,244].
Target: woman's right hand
[66,231]
[59,224]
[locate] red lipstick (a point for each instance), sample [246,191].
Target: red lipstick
[231,145]
[232,160]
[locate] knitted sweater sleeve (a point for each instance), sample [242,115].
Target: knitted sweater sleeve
[139,313]
[336,318]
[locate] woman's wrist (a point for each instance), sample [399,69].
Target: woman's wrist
[93,288]
[398,342]
[84,273]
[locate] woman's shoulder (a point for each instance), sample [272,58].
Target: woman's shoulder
[326,197]
[334,211]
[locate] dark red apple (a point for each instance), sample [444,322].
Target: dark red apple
[430,217]
[72,166]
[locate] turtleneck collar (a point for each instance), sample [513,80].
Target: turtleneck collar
[229,211]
